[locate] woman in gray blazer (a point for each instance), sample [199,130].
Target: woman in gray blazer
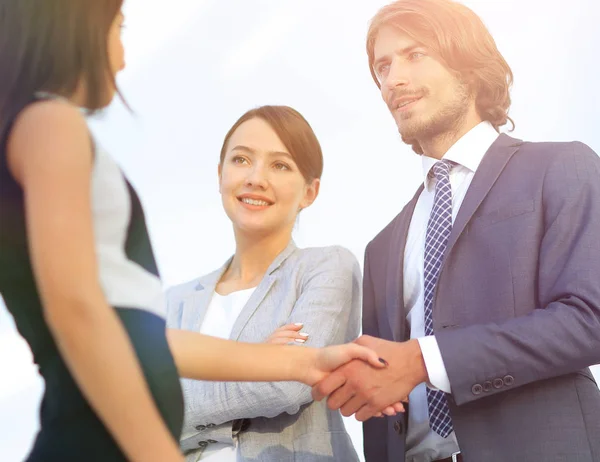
[269,291]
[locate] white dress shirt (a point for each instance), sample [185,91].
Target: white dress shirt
[219,319]
[423,444]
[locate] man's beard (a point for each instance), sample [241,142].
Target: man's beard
[447,120]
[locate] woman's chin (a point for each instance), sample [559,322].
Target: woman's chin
[253,229]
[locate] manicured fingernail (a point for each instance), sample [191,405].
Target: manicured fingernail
[303,334]
[298,324]
[300,340]
[384,362]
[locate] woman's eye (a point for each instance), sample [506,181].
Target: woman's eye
[281,166]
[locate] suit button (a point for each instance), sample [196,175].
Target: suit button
[200,427]
[203,444]
[487,386]
[399,427]
[498,383]
[477,389]
[509,380]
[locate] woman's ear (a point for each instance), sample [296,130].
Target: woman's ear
[219,173]
[311,193]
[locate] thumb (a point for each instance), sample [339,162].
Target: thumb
[367,355]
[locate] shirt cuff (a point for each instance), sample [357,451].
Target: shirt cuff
[438,377]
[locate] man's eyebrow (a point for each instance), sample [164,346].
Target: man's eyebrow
[403,52]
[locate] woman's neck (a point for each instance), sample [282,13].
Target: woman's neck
[252,258]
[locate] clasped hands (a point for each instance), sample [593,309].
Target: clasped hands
[359,388]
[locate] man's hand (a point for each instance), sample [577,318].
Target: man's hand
[357,388]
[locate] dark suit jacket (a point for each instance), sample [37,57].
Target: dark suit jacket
[516,309]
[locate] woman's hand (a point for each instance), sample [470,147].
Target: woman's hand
[392,410]
[328,359]
[288,333]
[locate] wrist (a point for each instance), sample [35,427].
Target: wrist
[418,362]
[300,364]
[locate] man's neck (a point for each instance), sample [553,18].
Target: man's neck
[437,146]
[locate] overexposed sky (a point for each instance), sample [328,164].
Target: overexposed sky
[194,66]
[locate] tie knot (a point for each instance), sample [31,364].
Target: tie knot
[442,169]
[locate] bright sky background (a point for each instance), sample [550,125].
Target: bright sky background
[194,66]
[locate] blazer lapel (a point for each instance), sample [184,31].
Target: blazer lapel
[196,303]
[395,274]
[260,292]
[488,172]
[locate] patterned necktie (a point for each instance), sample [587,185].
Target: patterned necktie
[436,239]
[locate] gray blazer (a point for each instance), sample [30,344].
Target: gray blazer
[516,309]
[319,287]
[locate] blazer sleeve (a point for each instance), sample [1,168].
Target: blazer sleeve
[172,309]
[329,307]
[374,430]
[562,334]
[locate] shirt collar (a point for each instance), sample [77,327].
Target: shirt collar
[468,151]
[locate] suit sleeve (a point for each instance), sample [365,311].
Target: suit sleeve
[562,334]
[329,307]
[375,429]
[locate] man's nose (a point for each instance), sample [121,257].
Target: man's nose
[398,76]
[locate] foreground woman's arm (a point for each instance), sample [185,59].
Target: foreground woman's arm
[202,357]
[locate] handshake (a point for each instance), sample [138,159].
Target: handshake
[371,381]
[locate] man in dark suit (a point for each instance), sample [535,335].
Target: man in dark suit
[483,294]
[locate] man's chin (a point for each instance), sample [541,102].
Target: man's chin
[408,139]
[409,125]
[408,134]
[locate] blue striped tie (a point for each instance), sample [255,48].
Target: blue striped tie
[436,239]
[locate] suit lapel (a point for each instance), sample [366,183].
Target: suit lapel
[486,175]
[196,303]
[488,172]
[261,291]
[395,274]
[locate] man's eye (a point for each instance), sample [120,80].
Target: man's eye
[382,70]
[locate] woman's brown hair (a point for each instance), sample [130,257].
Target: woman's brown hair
[459,37]
[294,132]
[54,46]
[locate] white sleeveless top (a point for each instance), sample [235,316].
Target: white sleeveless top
[219,319]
